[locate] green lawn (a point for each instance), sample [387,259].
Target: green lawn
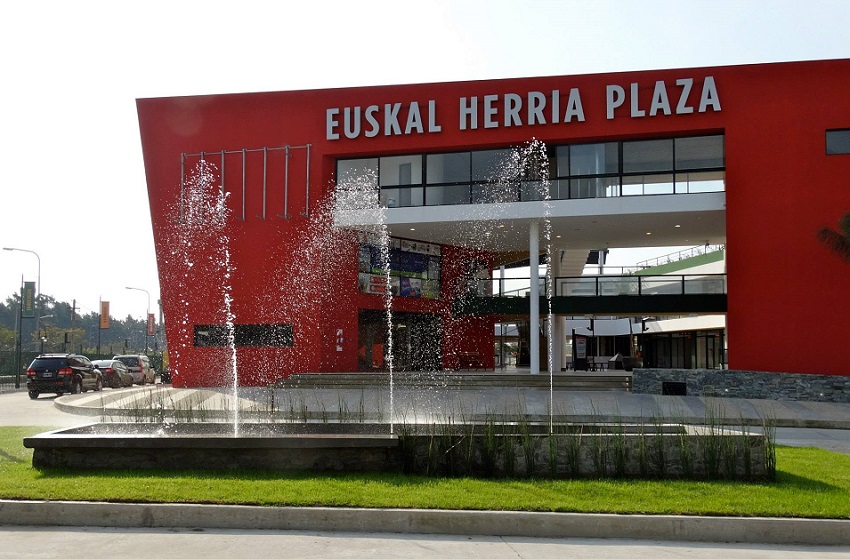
[810,483]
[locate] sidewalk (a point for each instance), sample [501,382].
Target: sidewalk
[436,402]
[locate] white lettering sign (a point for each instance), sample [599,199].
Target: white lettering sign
[514,110]
[615,97]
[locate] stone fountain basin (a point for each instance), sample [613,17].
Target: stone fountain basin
[495,449]
[219,446]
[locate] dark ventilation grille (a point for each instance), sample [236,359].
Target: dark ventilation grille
[245,335]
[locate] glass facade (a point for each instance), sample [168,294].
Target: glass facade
[573,171]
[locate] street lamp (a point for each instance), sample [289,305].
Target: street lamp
[38,284]
[38,327]
[147,314]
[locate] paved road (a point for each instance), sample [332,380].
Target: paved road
[84,543]
[16,408]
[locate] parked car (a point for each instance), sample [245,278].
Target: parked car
[140,368]
[115,373]
[59,373]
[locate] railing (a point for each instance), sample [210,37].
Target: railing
[607,286]
[698,250]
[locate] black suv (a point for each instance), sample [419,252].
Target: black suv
[62,372]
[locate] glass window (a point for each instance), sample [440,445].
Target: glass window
[648,156]
[356,174]
[494,165]
[494,193]
[560,189]
[447,167]
[837,142]
[644,185]
[401,197]
[562,161]
[535,190]
[603,187]
[699,153]
[593,159]
[704,181]
[446,195]
[401,170]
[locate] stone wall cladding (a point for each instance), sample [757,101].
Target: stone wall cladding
[746,384]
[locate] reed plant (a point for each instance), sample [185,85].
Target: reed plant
[572,451]
[527,443]
[619,450]
[490,447]
[509,448]
[712,440]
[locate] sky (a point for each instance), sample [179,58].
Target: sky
[74,187]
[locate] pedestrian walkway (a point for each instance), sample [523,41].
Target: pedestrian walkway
[817,424]
[431,403]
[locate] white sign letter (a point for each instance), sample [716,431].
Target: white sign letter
[391,125]
[615,97]
[682,107]
[331,123]
[659,100]
[352,124]
[469,113]
[574,108]
[490,111]
[513,104]
[432,117]
[370,118]
[414,119]
[709,95]
[636,111]
[536,104]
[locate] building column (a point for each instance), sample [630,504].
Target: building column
[534,297]
[559,323]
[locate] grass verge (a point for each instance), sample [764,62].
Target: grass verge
[810,483]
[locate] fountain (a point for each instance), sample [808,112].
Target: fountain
[442,428]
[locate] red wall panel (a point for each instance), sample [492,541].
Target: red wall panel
[787,293]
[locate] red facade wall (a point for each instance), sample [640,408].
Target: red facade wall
[787,293]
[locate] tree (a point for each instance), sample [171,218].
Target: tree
[7,339]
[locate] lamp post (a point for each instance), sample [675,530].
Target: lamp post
[147,313]
[38,280]
[38,327]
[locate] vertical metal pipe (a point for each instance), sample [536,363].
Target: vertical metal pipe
[534,297]
[285,183]
[265,178]
[222,174]
[199,192]
[182,184]
[244,158]
[307,198]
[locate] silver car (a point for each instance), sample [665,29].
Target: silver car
[140,367]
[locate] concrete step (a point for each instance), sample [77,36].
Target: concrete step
[621,381]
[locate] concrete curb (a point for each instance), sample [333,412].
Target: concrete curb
[784,531]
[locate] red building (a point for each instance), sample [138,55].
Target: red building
[756,157]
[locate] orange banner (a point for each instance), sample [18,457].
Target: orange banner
[104,315]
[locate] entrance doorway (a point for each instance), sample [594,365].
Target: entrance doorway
[416,341]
